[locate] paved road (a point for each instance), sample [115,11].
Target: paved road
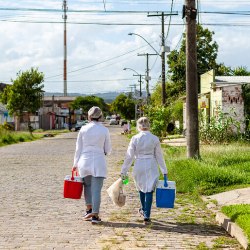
[33,214]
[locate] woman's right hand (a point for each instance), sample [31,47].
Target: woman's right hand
[74,168]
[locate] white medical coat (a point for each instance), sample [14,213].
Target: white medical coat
[145,148]
[93,143]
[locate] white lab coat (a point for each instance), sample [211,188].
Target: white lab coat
[145,148]
[93,143]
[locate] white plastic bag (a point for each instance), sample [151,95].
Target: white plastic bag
[115,192]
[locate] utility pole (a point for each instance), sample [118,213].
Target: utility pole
[163,50]
[140,76]
[192,123]
[65,8]
[147,78]
[163,60]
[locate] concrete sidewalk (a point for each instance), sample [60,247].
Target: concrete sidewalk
[34,215]
[237,196]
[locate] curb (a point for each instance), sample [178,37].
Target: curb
[233,229]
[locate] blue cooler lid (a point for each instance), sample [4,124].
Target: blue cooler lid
[171,185]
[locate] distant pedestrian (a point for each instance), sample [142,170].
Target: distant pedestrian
[93,143]
[145,148]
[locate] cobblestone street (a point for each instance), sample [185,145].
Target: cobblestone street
[34,214]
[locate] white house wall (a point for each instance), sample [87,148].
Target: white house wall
[216,101]
[233,103]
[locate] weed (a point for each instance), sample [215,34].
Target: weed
[223,242]
[202,246]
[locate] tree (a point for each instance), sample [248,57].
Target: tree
[173,91]
[25,94]
[86,102]
[206,56]
[124,105]
[240,71]
[222,70]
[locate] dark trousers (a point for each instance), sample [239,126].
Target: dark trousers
[146,203]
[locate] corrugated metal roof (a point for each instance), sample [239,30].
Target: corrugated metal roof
[232,79]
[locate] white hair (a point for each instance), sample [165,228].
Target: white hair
[95,113]
[143,123]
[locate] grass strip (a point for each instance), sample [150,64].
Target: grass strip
[221,168]
[240,214]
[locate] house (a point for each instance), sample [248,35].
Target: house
[222,93]
[4,114]
[55,112]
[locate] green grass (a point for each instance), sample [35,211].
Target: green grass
[10,137]
[240,214]
[221,168]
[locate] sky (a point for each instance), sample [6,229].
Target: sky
[98,44]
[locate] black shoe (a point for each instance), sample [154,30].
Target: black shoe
[88,215]
[147,221]
[96,220]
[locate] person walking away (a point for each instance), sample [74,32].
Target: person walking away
[145,148]
[93,143]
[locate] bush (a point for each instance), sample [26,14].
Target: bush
[7,126]
[221,129]
[159,118]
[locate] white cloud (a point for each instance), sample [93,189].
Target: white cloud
[41,45]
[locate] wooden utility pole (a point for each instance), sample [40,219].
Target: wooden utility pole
[192,123]
[147,77]
[163,50]
[65,8]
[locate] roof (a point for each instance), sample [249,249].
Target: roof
[232,80]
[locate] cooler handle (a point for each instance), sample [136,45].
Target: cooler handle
[72,176]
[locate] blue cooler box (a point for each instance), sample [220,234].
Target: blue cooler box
[165,196]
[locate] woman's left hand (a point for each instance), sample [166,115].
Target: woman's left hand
[74,168]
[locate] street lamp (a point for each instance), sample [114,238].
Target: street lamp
[162,55]
[130,34]
[137,74]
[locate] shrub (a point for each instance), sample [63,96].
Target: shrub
[221,129]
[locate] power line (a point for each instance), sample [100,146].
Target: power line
[82,11]
[90,66]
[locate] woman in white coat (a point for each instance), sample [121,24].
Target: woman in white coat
[145,148]
[93,143]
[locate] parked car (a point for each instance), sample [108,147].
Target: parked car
[108,117]
[79,124]
[113,122]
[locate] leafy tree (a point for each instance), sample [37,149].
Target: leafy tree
[124,105]
[222,70]
[86,102]
[206,57]
[24,95]
[173,91]
[241,71]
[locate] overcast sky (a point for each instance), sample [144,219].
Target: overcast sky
[98,53]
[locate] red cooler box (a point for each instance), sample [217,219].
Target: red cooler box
[73,186]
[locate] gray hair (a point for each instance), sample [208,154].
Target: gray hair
[143,123]
[95,113]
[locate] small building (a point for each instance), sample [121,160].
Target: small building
[4,114]
[222,93]
[55,112]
